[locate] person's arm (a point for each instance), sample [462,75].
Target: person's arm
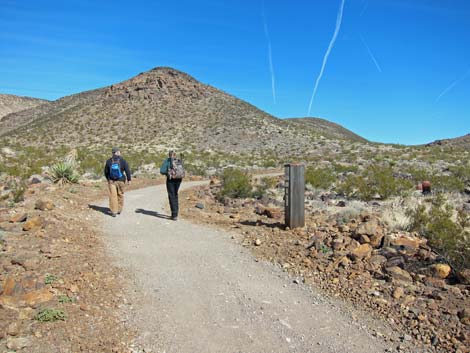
[106,170]
[127,171]
[164,167]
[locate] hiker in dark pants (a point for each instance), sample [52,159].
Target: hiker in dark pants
[116,172]
[172,167]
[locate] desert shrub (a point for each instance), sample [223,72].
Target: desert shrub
[321,178]
[63,173]
[235,184]
[445,230]
[18,188]
[264,186]
[47,314]
[374,180]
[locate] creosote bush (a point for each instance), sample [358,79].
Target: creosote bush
[445,228]
[321,178]
[235,184]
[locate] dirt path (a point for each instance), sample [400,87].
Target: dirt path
[196,290]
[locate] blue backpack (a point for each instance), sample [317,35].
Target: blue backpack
[115,170]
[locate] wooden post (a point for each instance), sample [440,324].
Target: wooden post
[295,195]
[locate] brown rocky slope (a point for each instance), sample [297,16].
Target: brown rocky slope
[10,103]
[163,107]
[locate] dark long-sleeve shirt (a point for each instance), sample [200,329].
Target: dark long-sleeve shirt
[126,172]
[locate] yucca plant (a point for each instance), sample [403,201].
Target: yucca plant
[63,173]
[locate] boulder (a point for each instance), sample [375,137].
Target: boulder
[33,223]
[464,316]
[408,241]
[398,274]
[398,292]
[35,179]
[18,343]
[464,276]
[440,270]
[44,205]
[18,217]
[361,252]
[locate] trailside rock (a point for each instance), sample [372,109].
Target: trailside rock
[19,217]
[440,270]
[464,276]
[33,223]
[44,205]
[18,343]
[399,274]
[361,252]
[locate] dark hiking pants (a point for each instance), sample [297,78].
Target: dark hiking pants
[172,186]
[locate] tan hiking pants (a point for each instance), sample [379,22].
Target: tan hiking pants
[116,195]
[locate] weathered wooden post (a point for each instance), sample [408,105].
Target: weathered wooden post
[294,195]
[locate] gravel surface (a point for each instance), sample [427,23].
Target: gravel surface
[195,289]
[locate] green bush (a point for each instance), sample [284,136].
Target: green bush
[47,315]
[321,178]
[63,173]
[235,184]
[447,237]
[374,180]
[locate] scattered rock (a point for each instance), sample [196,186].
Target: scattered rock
[200,206]
[18,343]
[33,223]
[440,270]
[44,205]
[13,329]
[464,276]
[398,292]
[464,316]
[257,242]
[399,274]
[19,217]
[361,252]
[408,241]
[35,179]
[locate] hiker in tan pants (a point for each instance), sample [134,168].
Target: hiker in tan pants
[116,172]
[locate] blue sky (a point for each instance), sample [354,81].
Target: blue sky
[399,70]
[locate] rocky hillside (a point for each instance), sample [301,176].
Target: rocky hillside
[11,104]
[326,127]
[462,141]
[165,107]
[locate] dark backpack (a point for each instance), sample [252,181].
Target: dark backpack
[176,170]
[115,172]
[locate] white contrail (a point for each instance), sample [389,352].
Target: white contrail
[371,55]
[364,9]
[325,58]
[270,56]
[452,85]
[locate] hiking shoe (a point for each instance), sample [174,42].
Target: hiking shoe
[174,218]
[113,215]
[119,212]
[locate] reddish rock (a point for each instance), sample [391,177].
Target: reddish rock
[361,252]
[37,297]
[464,276]
[399,274]
[44,205]
[33,223]
[398,292]
[19,217]
[440,270]
[408,241]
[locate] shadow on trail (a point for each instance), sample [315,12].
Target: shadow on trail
[103,210]
[152,213]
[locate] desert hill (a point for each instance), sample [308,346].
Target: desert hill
[10,103]
[165,107]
